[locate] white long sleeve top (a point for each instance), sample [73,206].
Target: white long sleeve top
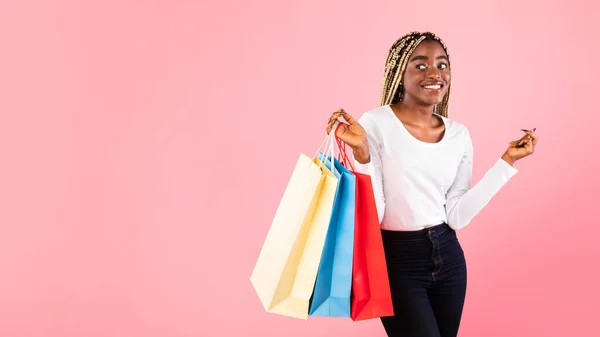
[419,184]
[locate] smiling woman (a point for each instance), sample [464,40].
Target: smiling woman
[421,164]
[398,61]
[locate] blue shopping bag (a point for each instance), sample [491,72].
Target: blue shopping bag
[331,294]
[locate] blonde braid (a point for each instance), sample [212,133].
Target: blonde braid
[395,65]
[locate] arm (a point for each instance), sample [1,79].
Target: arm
[463,202]
[367,160]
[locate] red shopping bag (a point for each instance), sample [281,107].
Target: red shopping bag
[371,296]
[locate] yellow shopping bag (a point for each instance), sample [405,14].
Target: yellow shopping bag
[285,272]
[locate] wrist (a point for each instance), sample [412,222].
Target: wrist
[361,153]
[511,161]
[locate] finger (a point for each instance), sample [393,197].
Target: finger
[332,124]
[526,138]
[530,134]
[329,126]
[522,140]
[348,118]
[529,145]
[334,116]
[340,129]
[533,136]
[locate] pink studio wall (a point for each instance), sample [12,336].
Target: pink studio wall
[145,146]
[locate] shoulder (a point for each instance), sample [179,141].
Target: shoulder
[371,118]
[458,135]
[456,129]
[377,122]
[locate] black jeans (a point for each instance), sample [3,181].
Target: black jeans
[428,280]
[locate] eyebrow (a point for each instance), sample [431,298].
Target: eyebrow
[421,57]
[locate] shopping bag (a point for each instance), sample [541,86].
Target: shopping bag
[285,271]
[371,295]
[331,296]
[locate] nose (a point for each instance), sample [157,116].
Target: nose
[433,72]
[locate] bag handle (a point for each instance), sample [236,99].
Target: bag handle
[328,146]
[343,156]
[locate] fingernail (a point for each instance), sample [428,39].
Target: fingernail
[533,129]
[524,130]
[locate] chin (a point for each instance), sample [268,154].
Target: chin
[432,101]
[427,98]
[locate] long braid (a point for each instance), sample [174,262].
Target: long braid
[395,65]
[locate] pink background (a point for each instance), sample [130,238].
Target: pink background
[139,141]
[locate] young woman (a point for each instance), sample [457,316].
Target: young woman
[421,163]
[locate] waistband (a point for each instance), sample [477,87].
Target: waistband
[423,233]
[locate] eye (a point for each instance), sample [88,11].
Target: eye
[443,66]
[421,65]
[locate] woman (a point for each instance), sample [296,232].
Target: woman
[421,163]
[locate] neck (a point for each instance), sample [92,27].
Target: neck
[415,113]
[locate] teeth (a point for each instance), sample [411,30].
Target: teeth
[437,86]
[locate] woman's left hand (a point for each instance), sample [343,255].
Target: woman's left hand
[521,148]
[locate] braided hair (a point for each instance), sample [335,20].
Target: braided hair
[392,91]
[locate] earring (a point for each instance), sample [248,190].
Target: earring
[400,92]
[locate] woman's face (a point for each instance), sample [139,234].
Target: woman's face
[427,75]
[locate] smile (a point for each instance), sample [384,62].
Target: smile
[433,87]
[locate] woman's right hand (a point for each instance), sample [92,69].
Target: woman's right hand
[353,134]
